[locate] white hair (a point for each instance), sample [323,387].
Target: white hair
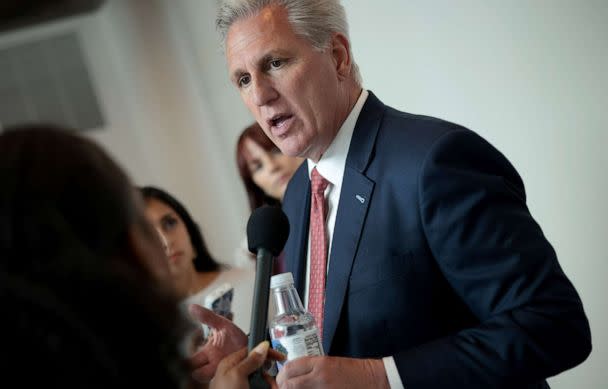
[314,20]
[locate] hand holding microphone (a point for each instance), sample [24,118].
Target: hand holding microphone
[267,232]
[232,372]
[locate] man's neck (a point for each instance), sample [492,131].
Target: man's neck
[352,95]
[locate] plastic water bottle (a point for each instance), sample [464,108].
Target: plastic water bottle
[292,330]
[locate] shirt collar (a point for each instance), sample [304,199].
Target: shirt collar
[332,162]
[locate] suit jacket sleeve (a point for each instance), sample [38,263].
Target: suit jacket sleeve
[497,260]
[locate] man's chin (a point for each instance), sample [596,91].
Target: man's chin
[291,149]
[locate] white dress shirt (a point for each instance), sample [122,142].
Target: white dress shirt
[331,167]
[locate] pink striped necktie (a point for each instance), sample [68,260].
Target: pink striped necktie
[318,248]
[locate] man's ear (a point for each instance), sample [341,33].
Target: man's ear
[145,247]
[340,50]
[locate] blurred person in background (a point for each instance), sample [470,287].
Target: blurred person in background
[194,272]
[265,173]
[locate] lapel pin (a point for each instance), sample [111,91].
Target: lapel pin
[360,198]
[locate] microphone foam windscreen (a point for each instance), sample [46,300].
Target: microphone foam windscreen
[267,228]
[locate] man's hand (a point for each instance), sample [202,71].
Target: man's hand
[225,339]
[333,372]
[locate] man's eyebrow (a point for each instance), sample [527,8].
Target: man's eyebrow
[260,62]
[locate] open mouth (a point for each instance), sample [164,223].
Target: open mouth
[278,121]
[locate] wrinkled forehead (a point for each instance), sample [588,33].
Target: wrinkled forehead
[263,31]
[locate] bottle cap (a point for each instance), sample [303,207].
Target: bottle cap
[279,280]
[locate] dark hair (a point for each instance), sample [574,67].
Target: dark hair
[60,189]
[109,327]
[203,261]
[255,194]
[79,299]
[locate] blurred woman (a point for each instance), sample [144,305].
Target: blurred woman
[83,282]
[265,172]
[194,272]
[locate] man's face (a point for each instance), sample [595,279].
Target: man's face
[291,88]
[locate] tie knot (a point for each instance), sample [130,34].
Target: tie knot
[317,182]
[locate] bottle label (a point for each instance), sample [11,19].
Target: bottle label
[305,343]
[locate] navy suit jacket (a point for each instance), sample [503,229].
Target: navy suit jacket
[437,261]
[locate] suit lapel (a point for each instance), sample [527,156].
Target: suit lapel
[355,197]
[349,223]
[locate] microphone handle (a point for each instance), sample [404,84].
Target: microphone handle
[261,293]
[259,311]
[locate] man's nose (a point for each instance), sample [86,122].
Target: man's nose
[263,92]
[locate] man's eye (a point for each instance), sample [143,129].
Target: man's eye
[244,81]
[277,63]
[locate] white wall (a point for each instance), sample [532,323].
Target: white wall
[141,50]
[530,76]
[177,135]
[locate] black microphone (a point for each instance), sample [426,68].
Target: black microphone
[267,232]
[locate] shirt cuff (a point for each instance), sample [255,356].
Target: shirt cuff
[394,380]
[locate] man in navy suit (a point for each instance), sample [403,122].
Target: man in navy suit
[437,275]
